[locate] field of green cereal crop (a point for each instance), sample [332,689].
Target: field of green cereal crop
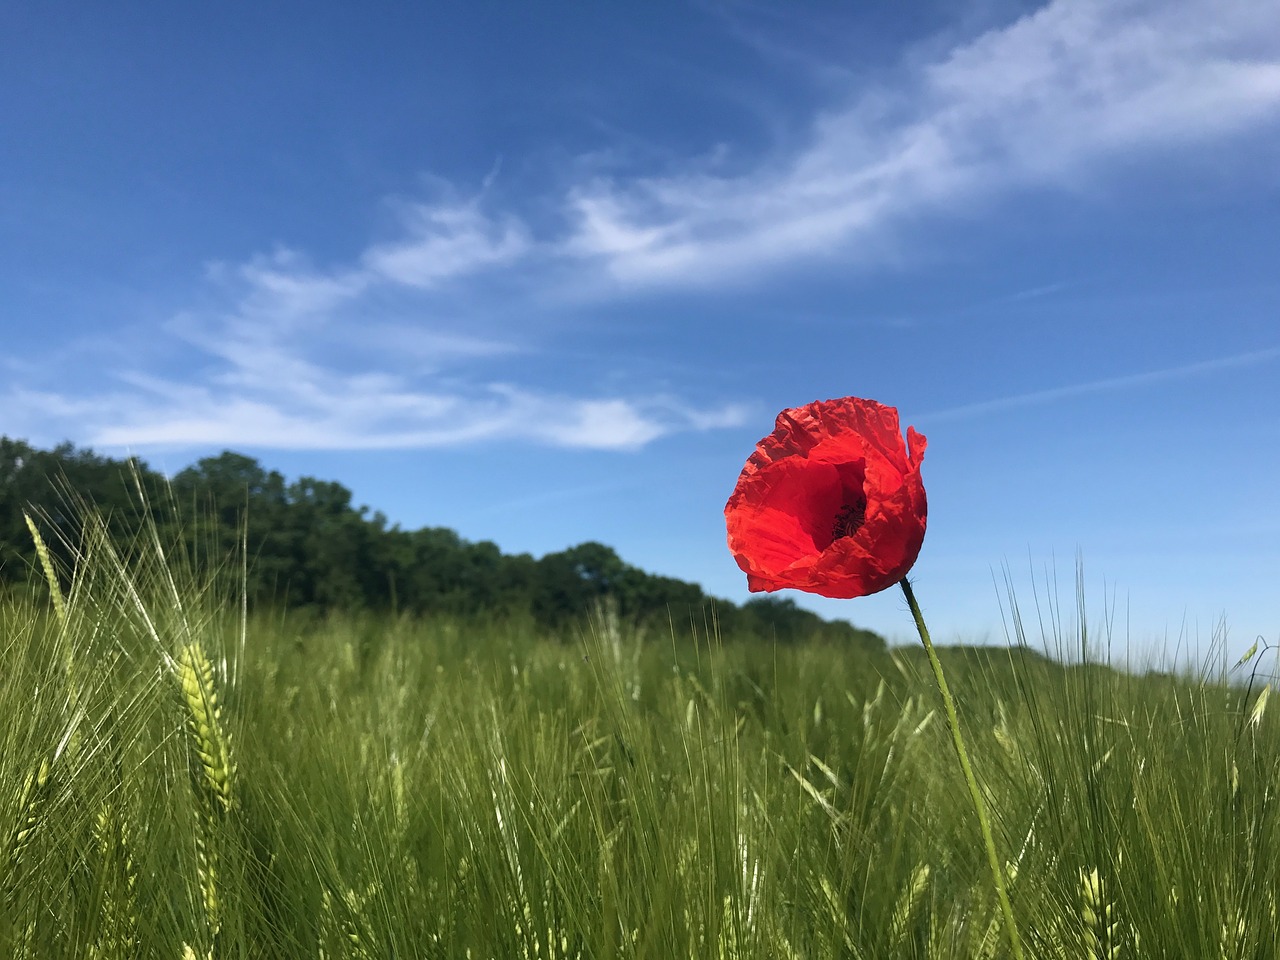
[181,780]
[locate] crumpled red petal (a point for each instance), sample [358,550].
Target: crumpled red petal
[821,458]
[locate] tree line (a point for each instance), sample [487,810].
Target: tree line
[309,546]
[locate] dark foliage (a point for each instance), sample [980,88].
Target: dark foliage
[309,546]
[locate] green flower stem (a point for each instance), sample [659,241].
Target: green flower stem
[953,721]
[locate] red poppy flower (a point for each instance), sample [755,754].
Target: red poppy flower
[830,502]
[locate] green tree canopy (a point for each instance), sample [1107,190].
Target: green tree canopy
[308,545]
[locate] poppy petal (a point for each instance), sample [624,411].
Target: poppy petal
[831,502]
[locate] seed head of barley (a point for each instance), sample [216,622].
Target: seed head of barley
[204,721]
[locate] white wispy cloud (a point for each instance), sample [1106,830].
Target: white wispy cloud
[363,412]
[372,415]
[284,287]
[1039,102]
[395,347]
[444,242]
[295,356]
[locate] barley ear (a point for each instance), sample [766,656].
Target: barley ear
[117,936]
[1097,914]
[343,923]
[36,789]
[215,780]
[59,602]
[204,723]
[50,572]
[907,904]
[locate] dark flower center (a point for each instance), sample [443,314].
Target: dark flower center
[849,519]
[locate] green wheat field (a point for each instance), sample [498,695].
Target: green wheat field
[183,779]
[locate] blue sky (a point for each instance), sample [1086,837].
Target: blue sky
[545,273]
